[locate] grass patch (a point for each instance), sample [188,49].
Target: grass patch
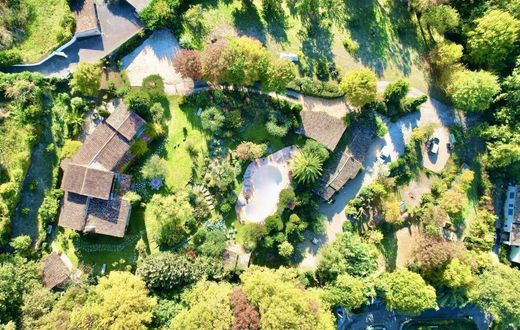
[49,25]
[183,128]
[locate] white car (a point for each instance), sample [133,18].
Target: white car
[434,146]
[385,153]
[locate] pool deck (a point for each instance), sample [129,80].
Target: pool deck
[280,160]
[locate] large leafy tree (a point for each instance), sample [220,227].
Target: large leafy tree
[283,302]
[279,73]
[188,64]
[348,254]
[495,291]
[407,292]
[160,13]
[209,307]
[86,79]
[346,291]
[307,167]
[442,18]
[17,278]
[493,39]
[169,215]
[457,275]
[215,62]
[360,86]
[473,90]
[119,301]
[248,61]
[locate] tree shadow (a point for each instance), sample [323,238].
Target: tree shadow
[376,29]
[316,42]
[248,21]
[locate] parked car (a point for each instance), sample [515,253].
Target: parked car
[385,153]
[433,146]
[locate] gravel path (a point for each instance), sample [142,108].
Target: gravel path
[432,111]
[155,56]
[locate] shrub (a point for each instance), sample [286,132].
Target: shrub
[315,148]
[317,88]
[86,79]
[139,148]
[50,205]
[132,197]
[411,104]
[359,86]
[381,128]
[212,119]
[157,112]
[250,150]
[139,102]
[70,147]
[396,91]
[9,57]
[155,167]
[351,46]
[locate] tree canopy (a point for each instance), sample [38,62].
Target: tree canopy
[407,292]
[360,86]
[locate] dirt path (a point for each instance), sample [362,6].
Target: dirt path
[25,218]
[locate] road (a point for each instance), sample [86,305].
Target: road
[118,23]
[431,112]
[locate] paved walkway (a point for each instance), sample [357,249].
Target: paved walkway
[118,24]
[398,135]
[155,56]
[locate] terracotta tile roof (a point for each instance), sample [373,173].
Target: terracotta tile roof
[108,217]
[87,181]
[55,272]
[125,122]
[73,211]
[112,152]
[344,166]
[323,128]
[93,145]
[85,13]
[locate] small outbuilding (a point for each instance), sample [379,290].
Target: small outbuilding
[236,257]
[56,273]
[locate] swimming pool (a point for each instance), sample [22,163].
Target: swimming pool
[268,183]
[262,183]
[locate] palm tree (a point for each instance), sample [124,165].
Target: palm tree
[307,167]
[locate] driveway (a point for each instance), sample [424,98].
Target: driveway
[377,314]
[431,112]
[155,56]
[118,23]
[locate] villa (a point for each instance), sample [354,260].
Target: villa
[345,166]
[93,188]
[511,226]
[323,127]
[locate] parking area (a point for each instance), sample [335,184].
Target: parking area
[155,56]
[436,161]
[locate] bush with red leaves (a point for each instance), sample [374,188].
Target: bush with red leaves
[245,315]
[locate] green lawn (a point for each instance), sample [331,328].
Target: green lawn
[183,128]
[389,41]
[44,31]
